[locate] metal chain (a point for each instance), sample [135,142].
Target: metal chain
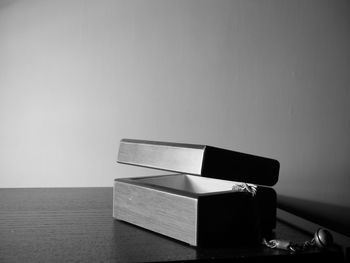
[244,187]
[322,239]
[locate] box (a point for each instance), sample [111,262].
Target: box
[215,197]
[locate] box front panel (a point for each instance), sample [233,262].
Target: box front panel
[166,213]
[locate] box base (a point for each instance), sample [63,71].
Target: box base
[200,212]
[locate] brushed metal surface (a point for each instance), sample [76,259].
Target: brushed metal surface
[172,157]
[162,212]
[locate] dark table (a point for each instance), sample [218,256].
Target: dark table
[76,225]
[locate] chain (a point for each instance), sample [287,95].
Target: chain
[322,240]
[244,187]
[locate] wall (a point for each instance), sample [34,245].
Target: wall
[264,77]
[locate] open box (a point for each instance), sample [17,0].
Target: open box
[192,205]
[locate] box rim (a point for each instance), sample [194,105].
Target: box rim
[134,181]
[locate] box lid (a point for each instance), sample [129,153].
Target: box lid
[201,160]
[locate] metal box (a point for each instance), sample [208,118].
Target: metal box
[216,197]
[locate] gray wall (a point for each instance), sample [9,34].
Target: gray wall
[264,77]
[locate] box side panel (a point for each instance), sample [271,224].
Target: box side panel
[266,203]
[162,212]
[236,218]
[227,220]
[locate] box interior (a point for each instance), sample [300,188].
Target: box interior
[191,183]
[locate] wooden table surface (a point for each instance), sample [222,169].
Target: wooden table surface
[76,225]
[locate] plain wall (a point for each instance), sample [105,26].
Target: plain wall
[269,78]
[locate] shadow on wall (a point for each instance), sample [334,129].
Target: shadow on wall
[336,218]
